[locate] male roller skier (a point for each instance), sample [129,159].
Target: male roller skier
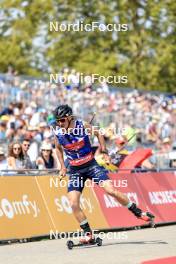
[72,138]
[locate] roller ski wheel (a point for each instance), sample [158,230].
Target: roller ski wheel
[99,241]
[96,241]
[148,217]
[70,244]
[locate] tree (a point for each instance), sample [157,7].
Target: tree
[20,24]
[145,53]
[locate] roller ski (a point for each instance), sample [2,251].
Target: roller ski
[145,216]
[86,240]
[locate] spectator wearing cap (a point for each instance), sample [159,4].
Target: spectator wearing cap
[162,156]
[42,127]
[47,135]
[166,145]
[47,158]
[3,160]
[34,132]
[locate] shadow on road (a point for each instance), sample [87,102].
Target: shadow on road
[125,243]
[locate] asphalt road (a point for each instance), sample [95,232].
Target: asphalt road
[131,247]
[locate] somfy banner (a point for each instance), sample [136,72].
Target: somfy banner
[55,193]
[38,205]
[22,210]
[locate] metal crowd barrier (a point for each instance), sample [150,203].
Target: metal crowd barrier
[28,172]
[45,172]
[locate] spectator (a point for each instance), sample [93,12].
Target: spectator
[172,157]
[2,130]
[42,128]
[25,148]
[161,158]
[8,110]
[166,145]
[153,114]
[3,160]
[119,153]
[47,159]
[15,157]
[35,142]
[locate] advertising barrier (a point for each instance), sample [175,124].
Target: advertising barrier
[33,206]
[117,215]
[54,192]
[154,192]
[22,210]
[159,192]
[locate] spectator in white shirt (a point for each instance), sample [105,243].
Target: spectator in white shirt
[3,160]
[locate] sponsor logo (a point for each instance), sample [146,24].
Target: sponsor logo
[63,204]
[162,197]
[111,202]
[11,209]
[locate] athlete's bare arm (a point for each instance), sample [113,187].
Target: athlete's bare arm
[59,153]
[94,131]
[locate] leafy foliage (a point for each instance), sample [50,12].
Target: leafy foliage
[146,53]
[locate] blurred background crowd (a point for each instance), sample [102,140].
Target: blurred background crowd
[131,117]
